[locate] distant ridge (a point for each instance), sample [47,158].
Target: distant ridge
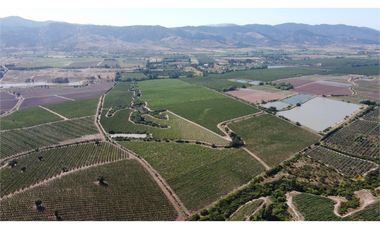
[19,33]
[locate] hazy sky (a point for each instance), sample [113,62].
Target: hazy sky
[196,12]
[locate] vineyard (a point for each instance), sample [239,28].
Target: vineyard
[72,109]
[344,164]
[197,174]
[272,139]
[359,138]
[245,211]
[117,98]
[373,115]
[370,213]
[129,193]
[47,164]
[16,141]
[315,208]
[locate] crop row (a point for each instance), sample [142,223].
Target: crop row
[245,211]
[129,193]
[16,141]
[344,164]
[197,174]
[359,138]
[373,115]
[43,165]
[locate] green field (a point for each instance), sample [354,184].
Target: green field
[117,98]
[16,141]
[272,139]
[72,157]
[212,83]
[197,174]
[362,70]
[245,211]
[315,208]
[57,62]
[179,128]
[193,102]
[27,117]
[130,194]
[133,76]
[370,213]
[269,74]
[72,109]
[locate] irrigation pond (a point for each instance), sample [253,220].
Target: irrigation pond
[320,113]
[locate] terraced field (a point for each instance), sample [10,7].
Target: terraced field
[197,174]
[193,102]
[73,109]
[272,139]
[129,194]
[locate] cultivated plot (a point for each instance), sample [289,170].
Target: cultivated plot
[72,109]
[255,96]
[128,193]
[193,102]
[272,139]
[197,174]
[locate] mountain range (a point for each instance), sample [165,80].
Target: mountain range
[17,33]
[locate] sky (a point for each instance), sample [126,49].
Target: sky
[197,12]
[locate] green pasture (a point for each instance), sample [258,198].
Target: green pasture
[212,83]
[197,174]
[272,139]
[200,105]
[72,109]
[27,117]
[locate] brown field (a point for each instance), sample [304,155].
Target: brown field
[255,96]
[85,63]
[84,95]
[7,104]
[296,82]
[340,79]
[44,92]
[319,89]
[31,102]
[4,96]
[370,95]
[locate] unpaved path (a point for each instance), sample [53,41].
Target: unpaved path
[257,158]
[289,202]
[64,118]
[266,201]
[64,97]
[235,119]
[100,128]
[15,108]
[82,138]
[338,200]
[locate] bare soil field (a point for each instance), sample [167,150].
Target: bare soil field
[44,92]
[370,95]
[35,101]
[296,82]
[4,96]
[85,63]
[319,89]
[255,95]
[7,104]
[11,60]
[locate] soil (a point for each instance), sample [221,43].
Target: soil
[256,95]
[257,158]
[289,202]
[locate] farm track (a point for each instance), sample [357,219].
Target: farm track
[236,119]
[15,108]
[266,201]
[65,97]
[257,158]
[64,118]
[289,202]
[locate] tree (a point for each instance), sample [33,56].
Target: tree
[298,124]
[97,142]
[298,104]
[100,179]
[23,169]
[56,213]
[38,202]
[12,163]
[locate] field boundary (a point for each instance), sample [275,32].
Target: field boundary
[51,111]
[257,158]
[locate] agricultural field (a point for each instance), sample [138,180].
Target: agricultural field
[20,140]
[370,213]
[193,102]
[360,138]
[128,194]
[272,139]
[270,74]
[315,208]
[344,164]
[27,117]
[179,128]
[33,102]
[7,101]
[212,83]
[55,162]
[133,76]
[372,70]
[373,115]
[203,58]
[245,211]
[197,174]
[319,89]
[368,86]
[256,96]
[73,109]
